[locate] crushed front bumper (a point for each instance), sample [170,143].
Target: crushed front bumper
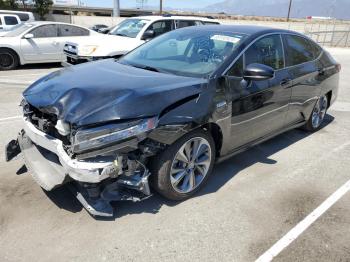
[51,166]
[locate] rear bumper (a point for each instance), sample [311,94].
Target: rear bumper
[51,166]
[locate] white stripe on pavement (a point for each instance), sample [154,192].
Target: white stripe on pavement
[10,118]
[295,232]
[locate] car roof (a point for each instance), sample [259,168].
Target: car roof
[250,30]
[166,17]
[36,23]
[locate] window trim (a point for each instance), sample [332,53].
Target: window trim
[274,33]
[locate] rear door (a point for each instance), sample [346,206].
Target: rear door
[301,59]
[44,46]
[260,108]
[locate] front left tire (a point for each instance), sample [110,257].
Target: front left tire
[8,59]
[183,168]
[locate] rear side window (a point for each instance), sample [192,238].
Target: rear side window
[11,20]
[298,50]
[267,51]
[315,49]
[45,31]
[67,30]
[0,20]
[185,23]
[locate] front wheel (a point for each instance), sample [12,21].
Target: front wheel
[183,168]
[8,59]
[318,114]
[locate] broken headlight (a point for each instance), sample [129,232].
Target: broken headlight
[99,137]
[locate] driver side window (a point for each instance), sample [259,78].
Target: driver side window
[237,69]
[161,27]
[45,31]
[267,51]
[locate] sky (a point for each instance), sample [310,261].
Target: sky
[166,3]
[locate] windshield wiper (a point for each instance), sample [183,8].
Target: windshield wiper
[149,68]
[120,34]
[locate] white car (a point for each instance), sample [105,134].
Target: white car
[126,36]
[37,42]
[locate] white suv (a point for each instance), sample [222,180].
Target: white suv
[126,36]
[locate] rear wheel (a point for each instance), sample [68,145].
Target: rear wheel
[318,114]
[184,167]
[8,59]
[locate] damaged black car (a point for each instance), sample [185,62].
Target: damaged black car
[161,116]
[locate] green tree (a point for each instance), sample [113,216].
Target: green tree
[42,7]
[8,4]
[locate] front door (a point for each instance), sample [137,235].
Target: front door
[260,107]
[44,46]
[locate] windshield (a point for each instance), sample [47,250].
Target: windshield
[18,30]
[129,27]
[185,52]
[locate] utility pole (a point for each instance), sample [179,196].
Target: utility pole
[116,8]
[290,6]
[161,7]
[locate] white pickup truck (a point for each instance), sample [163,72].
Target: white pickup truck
[7,22]
[126,36]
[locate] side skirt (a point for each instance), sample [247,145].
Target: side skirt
[258,141]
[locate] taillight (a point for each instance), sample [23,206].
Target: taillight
[338,67]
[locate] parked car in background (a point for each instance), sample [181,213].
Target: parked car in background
[37,42]
[98,27]
[126,36]
[168,110]
[105,30]
[23,16]
[8,22]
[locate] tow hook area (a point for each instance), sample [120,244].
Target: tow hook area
[12,150]
[97,198]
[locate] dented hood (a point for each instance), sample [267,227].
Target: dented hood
[106,91]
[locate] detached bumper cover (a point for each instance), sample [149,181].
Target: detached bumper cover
[50,165]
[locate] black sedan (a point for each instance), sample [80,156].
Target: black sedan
[167,111]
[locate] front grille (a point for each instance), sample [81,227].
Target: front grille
[70,49]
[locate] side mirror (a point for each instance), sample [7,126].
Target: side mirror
[149,34]
[28,36]
[258,72]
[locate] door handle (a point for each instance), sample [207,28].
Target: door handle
[286,82]
[55,43]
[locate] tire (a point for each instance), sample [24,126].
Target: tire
[173,178]
[8,59]
[317,115]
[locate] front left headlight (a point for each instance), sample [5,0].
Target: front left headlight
[107,135]
[87,50]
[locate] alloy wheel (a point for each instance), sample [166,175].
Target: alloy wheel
[190,165]
[319,111]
